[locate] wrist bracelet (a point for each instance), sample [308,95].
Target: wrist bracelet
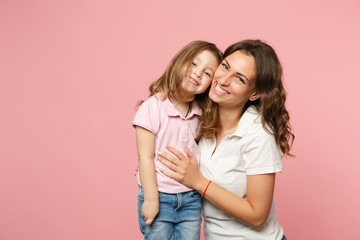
[206,188]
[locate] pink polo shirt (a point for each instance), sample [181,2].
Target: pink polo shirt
[170,128]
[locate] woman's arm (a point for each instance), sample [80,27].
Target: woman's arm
[252,211]
[145,141]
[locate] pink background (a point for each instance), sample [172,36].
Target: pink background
[72,71]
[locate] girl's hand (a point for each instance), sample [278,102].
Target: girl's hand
[186,169]
[149,210]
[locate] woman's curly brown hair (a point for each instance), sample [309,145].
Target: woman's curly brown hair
[268,84]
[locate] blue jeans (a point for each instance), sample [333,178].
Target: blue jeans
[179,217]
[284,238]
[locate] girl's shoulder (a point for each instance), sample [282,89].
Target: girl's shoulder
[154,99]
[154,104]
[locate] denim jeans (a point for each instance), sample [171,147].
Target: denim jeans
[284,238]
[179,217]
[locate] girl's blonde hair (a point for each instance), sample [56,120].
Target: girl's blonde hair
[271,104]
[169,84]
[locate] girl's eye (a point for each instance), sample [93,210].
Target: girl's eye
[194,64]
[225,66]
[207,74]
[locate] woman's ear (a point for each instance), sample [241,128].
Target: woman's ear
[254,96]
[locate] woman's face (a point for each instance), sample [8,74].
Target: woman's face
[234,81]
[199,75]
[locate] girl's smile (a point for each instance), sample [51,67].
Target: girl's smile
[193,81]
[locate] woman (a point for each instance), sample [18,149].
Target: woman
[244,136]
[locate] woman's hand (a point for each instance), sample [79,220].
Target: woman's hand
[186,169]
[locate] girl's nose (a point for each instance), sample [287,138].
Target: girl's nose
[197,75]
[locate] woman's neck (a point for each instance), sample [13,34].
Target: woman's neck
[229,119]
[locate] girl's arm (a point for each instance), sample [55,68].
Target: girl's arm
[145,141]
[252,211]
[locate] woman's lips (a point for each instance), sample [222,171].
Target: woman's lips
[219,90]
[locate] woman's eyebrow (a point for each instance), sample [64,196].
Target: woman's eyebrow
[229,66]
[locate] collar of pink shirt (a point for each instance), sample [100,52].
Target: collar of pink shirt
[172,111]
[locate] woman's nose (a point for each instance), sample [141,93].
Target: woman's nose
[223,80]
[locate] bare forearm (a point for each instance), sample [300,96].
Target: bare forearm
[232,205]
[145,141]
[148,179]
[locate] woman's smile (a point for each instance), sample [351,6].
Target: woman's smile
[219,90]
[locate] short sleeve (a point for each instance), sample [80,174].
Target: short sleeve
[261,153]
[148,116]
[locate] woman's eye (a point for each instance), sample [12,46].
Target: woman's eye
[225,66]
[240,79]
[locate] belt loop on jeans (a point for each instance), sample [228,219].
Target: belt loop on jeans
[179,198]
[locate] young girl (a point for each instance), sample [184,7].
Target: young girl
[166,208]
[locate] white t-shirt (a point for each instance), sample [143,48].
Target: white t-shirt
[249,151]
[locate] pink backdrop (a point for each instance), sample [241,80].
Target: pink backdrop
[71,72]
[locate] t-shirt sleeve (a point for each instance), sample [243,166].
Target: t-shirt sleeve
[261,154]
[147,116]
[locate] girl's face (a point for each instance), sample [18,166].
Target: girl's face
[199,75]
[234,81]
